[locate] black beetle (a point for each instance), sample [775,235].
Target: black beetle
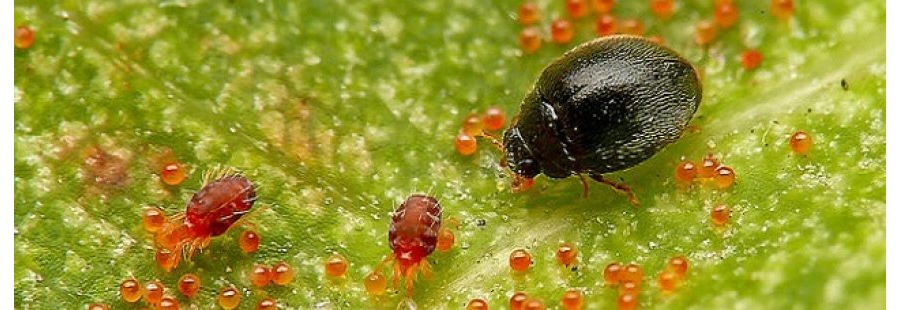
[604,106]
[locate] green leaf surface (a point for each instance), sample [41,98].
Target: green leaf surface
[338,110]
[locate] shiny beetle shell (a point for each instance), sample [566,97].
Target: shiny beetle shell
[604,106]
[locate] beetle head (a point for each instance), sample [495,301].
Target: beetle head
[520,160]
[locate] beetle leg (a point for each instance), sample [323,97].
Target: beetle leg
[622,188]
[584,184]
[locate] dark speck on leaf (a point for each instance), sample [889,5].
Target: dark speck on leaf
[844,84]
[480,222]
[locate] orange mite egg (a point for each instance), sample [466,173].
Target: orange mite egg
[173,174]
[632,272]
[627,302]
[678,265]
[24,37]
[801,143]
[477,304]
[668,281]
[336,265]
[465,144]
[267,304]
[567,254]
[604,6]
[782,9]
[686,172]
[153,219]
[724,177]
[98,307]
[472,125]
[168,303]
[153,292]
[166,259]
[520,260]
[533,304]
[577,8]
[282,273]
[561,31]
[493,119]
[720,215]
[708,167]
[229,298]
[704,32]
[189,285]
[522,184]
[751,59]
[517,300]
[249,241]
[445,240]
[376,283]
[572,299]
[726,14]
[260,275]
[130,289]
[530,40]
[612,274]
[606,25]
[633,27]
[629,287]
[662,8]
[528,13]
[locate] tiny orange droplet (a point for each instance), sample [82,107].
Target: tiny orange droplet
[686,172]
[376,283]
[724,177]
[726,14]
[782,9]
[801,143]
[720,215]
[472,125]
[520,260]
[708,167]
[632,272]
[153,292]
[249,241]
[612,274]
[173,174]
[153,219]
[606,25]
[627,302]
[632,27]
[189,285]
[530,40]
[465,144]
[98,307]
[528,13]
[477,304]
[604,6]
[629,287]
[567,254]
[166,259]
[572,299]
[534,304]
[577,8]
[130,289]
[260,275]
[561,31]
[336,265]
[517,300]
[282,273]
[229,298]
[494,118]
[704,32]
[168,303]
[668,281]
[24,37]
[267,304]
[751,59]
[662,8]
[679,265]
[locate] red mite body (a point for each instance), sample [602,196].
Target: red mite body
[210,212]
[413,236]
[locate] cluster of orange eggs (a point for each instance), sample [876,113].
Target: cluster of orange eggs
[475,125]
[279,274]
[709,170]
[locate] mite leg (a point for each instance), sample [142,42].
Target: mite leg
[409,281]
[619,187]
[586,188]
[426,269]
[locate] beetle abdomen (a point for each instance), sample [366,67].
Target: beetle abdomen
[604,106]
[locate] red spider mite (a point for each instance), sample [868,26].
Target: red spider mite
[210,212]
[412,237]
